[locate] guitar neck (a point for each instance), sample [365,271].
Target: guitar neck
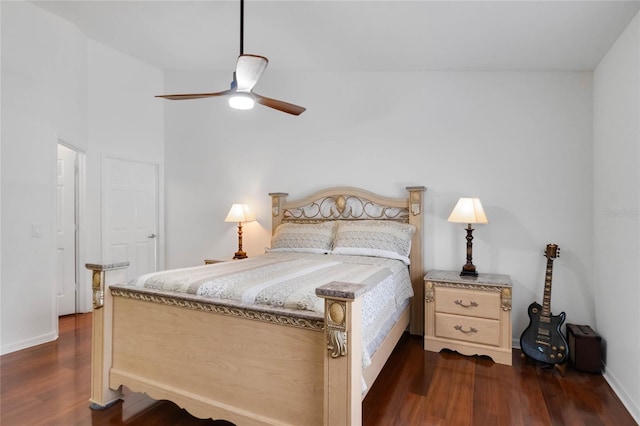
[546,300]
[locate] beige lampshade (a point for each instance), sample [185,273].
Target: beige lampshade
[240,213]
[468,210]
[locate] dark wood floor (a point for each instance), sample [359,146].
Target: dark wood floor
[49,385]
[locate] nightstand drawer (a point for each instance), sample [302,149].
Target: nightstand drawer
[475,330]
[473,303]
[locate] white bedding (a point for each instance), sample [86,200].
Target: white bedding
[289,280]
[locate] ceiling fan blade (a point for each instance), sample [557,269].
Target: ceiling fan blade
[195,95]
[249,68]
[279,105]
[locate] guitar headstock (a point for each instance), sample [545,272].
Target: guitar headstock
[552,251]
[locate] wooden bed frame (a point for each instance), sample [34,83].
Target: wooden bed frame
[247,364]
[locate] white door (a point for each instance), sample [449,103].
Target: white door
[130,205]
[66,228]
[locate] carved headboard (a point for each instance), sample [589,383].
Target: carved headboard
[347,203]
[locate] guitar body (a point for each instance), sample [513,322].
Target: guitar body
[544,341]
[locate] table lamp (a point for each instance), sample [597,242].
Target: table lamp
[468,210]
[240,213]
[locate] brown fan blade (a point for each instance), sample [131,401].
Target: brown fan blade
[279,105]
[249,68]
[195,95]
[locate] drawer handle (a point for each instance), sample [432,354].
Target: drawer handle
[471,304]
[470,331]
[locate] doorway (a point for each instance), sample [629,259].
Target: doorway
[67,229]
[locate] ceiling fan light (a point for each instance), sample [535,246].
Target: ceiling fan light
[241,101]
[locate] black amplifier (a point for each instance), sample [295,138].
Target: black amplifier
[585,348]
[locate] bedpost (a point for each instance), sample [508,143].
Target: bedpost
[277,212]
[102,276]
[343,355]
[416,208]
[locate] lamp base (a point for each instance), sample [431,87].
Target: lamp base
[240,255]
[469,271]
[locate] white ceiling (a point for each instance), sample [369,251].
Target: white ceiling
[378,35]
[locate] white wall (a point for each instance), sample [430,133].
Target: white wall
[126,121]
[617,212]
[58,84]
[44,96]
[520,141]
[0,180]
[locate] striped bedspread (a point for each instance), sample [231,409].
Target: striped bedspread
[289,280]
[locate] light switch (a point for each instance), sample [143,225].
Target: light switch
[36,230]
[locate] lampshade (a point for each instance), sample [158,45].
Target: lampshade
[240,213]
[468,210]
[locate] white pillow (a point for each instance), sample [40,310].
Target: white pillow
[304,237]
[380,238]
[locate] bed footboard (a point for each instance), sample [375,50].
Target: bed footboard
[229,363]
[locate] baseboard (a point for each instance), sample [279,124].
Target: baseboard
[631,405]
[27,343]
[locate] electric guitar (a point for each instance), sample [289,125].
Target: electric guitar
[542,340]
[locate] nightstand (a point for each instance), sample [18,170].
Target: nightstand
[470,315]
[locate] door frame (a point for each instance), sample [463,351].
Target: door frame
[160,240]
[83,294]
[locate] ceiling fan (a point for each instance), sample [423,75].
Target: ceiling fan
[249,68]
